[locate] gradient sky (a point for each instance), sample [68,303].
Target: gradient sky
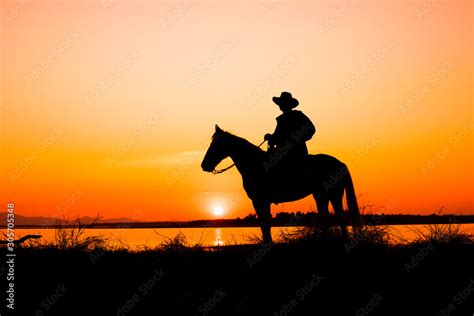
[108,106]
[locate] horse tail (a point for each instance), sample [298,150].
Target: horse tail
[351,200]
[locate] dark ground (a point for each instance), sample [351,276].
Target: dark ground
[323,278]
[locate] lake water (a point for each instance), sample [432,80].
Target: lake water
[136,238]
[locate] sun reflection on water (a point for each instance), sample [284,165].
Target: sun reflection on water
[218,238]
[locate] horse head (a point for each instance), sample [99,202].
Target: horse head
[218,151]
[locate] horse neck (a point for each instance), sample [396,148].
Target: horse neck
[246,156]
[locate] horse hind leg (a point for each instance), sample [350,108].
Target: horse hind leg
[336,203]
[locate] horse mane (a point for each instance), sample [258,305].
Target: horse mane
[243,143]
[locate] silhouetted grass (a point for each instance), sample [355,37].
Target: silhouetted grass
[67,236]
[174,244]
[75,237]
[444,234]
[367,234]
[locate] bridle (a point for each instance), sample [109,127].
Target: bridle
[218,171]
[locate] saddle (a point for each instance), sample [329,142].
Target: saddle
[284,174]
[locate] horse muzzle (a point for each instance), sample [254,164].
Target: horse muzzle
[206,168]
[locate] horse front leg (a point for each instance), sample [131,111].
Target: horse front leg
[322,203]
[264,218]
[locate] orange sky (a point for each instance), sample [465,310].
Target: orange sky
[108,106]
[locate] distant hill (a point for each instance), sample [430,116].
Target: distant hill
[21,220]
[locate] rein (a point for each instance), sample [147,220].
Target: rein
[218,171]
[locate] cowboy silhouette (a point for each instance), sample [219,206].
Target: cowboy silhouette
[287,145]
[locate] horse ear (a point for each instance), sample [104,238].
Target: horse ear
[218,129]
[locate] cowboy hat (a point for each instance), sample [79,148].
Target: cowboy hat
[286,99]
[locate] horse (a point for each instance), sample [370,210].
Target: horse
[323,176]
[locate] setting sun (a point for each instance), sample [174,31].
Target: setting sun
[218,210]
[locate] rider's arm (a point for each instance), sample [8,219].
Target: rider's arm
[278,135]
[308,124]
